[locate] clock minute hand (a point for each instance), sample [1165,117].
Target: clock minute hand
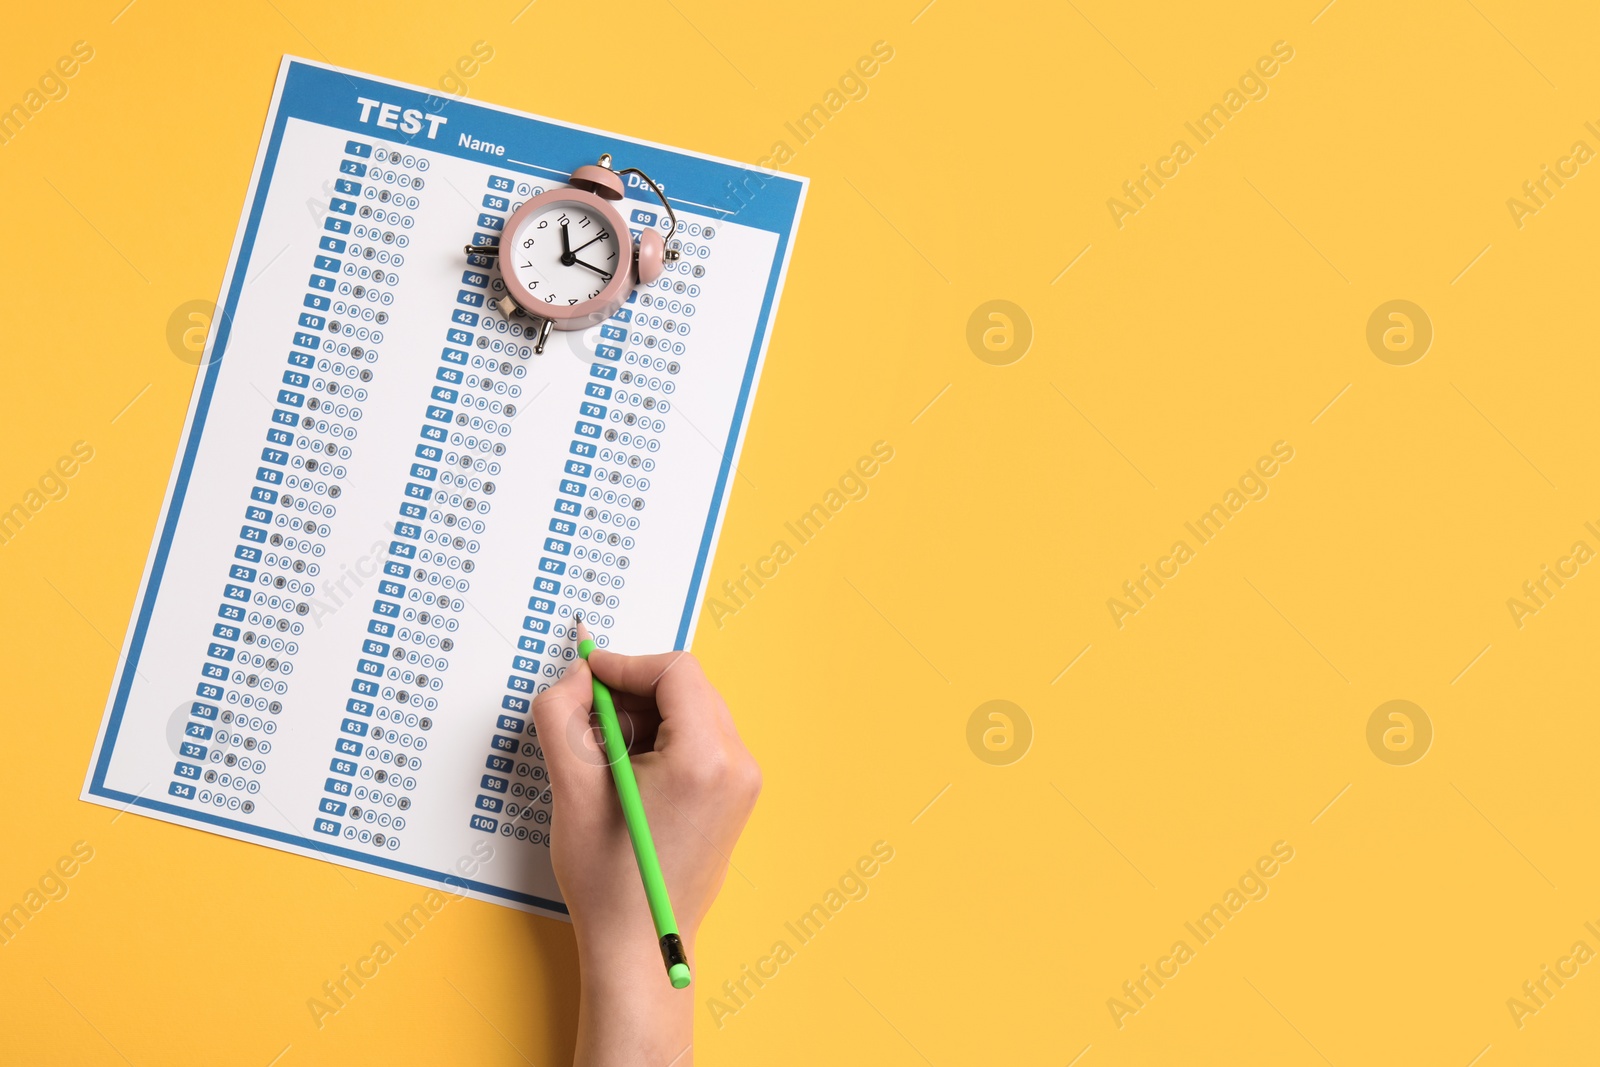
[604,274]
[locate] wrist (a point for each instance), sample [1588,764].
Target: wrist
[616,960]
[628,1011]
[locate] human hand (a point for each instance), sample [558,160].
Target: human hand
[699,784]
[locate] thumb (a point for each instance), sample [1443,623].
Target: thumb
[561,721]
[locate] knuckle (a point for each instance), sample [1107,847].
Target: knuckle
[550,702]
[709,773]
[750,778]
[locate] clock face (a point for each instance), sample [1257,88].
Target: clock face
[562,256]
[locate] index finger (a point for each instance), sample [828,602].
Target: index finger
[673,679]
[643,675]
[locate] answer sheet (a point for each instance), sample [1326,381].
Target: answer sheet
[386,507]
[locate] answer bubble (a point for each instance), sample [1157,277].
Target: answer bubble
[187,329]
[999,733]
[1399,733]
[1399,332]
[999,332]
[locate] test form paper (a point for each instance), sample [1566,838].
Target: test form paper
[387,508]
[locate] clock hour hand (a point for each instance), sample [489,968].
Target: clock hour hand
[604,274]
[566,246]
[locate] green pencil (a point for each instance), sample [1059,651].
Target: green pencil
[644,846]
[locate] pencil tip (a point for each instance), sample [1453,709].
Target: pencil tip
[583,631]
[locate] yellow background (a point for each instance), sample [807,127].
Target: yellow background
[1225,716]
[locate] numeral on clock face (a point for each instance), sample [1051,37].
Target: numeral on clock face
[567,254]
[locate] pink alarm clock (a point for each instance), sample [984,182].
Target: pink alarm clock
[566,257]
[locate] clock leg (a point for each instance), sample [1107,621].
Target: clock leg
[544,335]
